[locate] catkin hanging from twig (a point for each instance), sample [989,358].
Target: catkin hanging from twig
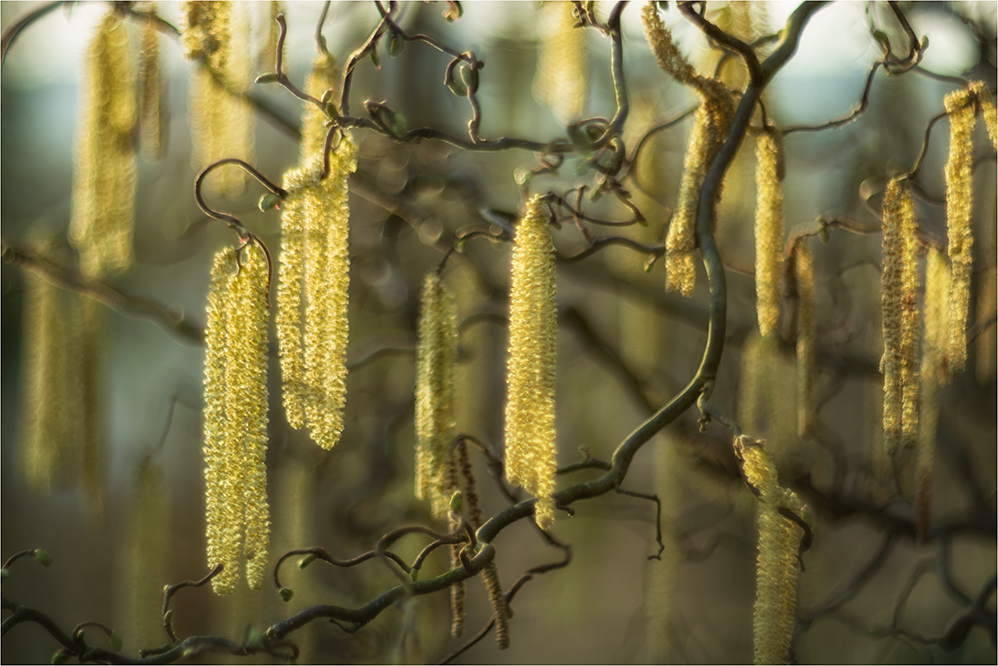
[153,123]
[312,299]
[769,229]
[533,326]
[899,302]
[104,166]
[709,127]
[804,279]
[562,79]
[323,78]
[235,417]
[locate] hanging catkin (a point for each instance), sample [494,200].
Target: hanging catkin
[899,294]
[312,326]
[323,78]
[235,417]
[769,229]
[221,123]
[804,279]
[562,79]
[103,215]
[709,127]
[959,205]
[153,123]
[776,566]
[436,364]
[529,432]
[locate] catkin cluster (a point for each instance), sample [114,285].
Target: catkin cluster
[899,306]
[435,378]
[312,326]
[776,566]
[533,323]
[235,417]
[103,213]
[562,79]
[804,280]
[221,122]
[710,125]
[769,229]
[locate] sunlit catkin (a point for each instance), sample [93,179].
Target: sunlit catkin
[312,326]
[153,122]
[988,110]
[500,610]
[562,80]
[899,294]
[959,205]
[435,379]
[103,201]
[323,78]
[710,124]
[215,34]
[769,229]
[529,431]
[776,566]
[804,279]
[235,417]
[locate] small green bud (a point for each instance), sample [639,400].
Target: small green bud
[307,560]
[254,639]
[4,573]
[286,593]
[375,58]
[115,640]
[269,77]
[456,501]
[823,234]
[414,574]
[269,201]
[43,557]
[61,657]
[395,44]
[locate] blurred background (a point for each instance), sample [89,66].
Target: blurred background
[625,347]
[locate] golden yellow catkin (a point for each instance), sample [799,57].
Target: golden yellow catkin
[776,567]
[235,417]
[933,372]
[988,109]
[804,278]
[562,79]
[48,424]
[213,33]
[709,126]
[769,229]
[315,277]
[987,340]
[103,213]
[959,205]
[899,303]
[436,362]
[533,328]
[324,77]
[153,123]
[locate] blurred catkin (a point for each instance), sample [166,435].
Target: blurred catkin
[90,355]
[235,417]
[153,121]
[530,430]
[312,325]
[103,201]
[804,280]
[436,363]
[500,610]
[562,79]
[710,124]
[899,303]
[325,76]
[215,34]
[959,205]
[769,229]
[779,540]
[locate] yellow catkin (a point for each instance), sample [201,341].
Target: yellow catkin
[986,339]
[988,110]
[146,555]
[435,379]
[221,123]
[500,610]
[530,429]
[48,429]
[562,79]
[267,58]
[324,77]
[779,540]
[899,287]
[103,214]
[804,279]
[709,126]
[153,123]
[235,418]
[933,373]
[312,326]
[959,206]
[769,230]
